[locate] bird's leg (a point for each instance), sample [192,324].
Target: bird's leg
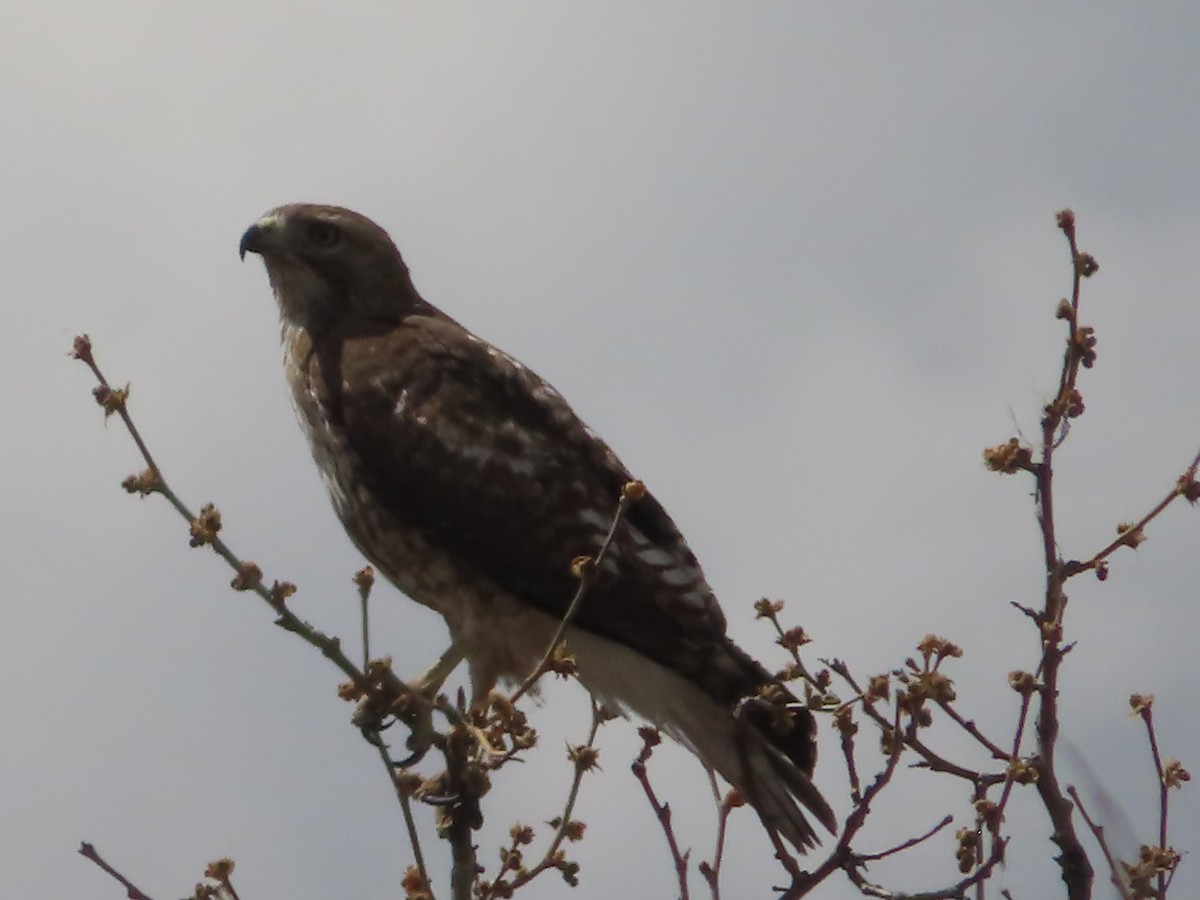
[412,704]
[420,712]
[415,709]
[431,682]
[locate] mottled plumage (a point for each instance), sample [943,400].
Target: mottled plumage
[471,484]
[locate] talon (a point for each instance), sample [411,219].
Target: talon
[372,736]
[447,800]
[419,719]
[411,760]
[414,708]
[418,716]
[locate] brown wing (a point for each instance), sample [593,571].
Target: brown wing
[466,444]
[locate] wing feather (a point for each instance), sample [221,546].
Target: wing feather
[467,444]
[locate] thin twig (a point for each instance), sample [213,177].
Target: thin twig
[88,851]
[956,891]
[769,610]
[584,759]
[841,856]
[330,647]
[249,577]
[1130,535]
[1146,714]
[972,729]
[911,842]
[662,811]
[410,823]
[712,871]
[1098,832]
[848,728]
[930,759]
[851,862]
[364,580]
[1077,871]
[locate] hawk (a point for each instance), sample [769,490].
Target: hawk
[470,483]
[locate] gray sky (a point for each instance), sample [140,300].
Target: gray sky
[797,263]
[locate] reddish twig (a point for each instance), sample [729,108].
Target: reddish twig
[1144,706]
[842,857]
[662,811]
[929,758]
[1098,832]
[848,728]
[972,729]
[1076,870]
[584,758]
[87,851]
[1132,535]
[725,805]
[248,577]
[911,842]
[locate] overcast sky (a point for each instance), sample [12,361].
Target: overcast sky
[796,262]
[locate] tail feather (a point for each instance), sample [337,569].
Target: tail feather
[776,751]
[779,791]
[778,807]
[764,748]
[762,745]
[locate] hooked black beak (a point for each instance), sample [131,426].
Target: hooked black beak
[252,241]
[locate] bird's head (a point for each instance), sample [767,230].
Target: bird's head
[326,263]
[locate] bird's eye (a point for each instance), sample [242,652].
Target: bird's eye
[323,234]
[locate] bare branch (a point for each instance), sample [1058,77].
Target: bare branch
[651,739]
[1132,535]
[969,726]
[725,805]
[911,842]
[87,851]
[1076,870]
[1098,832]
[248,576]
[583,757]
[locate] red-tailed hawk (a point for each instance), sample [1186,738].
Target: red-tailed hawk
[472,485]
